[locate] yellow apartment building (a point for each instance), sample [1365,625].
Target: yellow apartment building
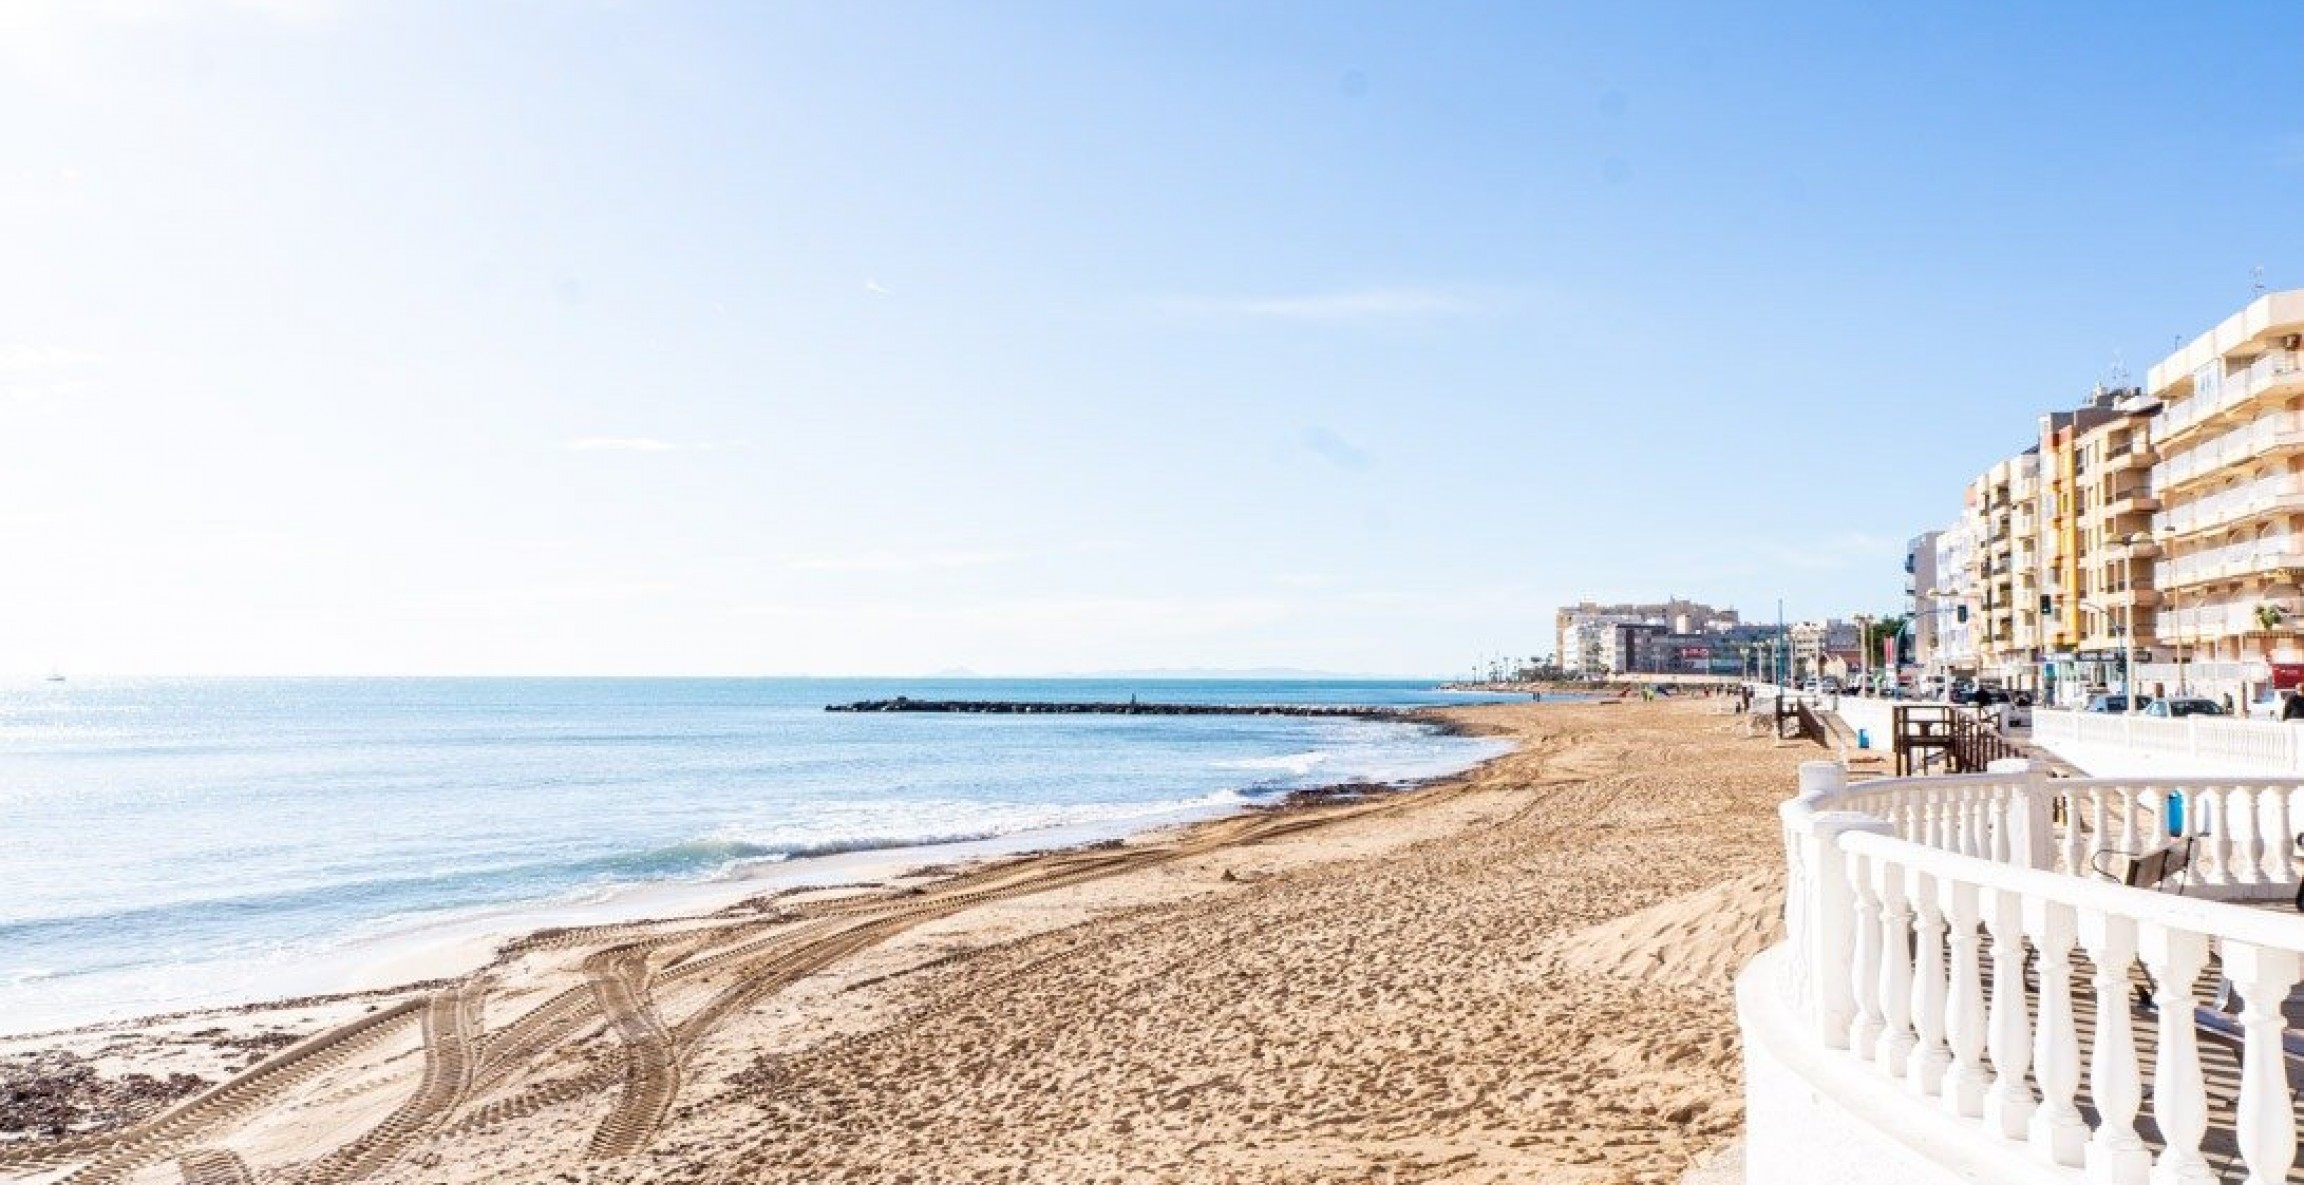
[2096,544]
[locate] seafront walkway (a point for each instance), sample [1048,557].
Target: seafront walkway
[1941,1008]
[2105,743]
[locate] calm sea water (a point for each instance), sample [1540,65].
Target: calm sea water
[175,843]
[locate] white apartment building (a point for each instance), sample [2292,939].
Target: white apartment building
[1952,598]
[1920,583]
[2230,477]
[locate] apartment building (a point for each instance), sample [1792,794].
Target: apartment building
[2230,473]
[1952,598]
[1920,586]
[2004,524]
[2096,546]
[1821,648]
[1588,642]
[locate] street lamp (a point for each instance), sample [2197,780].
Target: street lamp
[1863,650]
[1957,600]
[2128,622]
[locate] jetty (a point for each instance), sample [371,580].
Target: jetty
[1003,707]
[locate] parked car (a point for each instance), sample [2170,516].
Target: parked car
[2184,705]
[2117,704]
[2268,704]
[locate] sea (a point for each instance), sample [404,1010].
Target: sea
[173,844]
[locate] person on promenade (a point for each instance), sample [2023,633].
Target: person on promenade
[2292,706]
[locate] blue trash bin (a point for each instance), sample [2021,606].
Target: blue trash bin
[1863,739]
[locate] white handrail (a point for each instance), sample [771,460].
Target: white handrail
[1910,906]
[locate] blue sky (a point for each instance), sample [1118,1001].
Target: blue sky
[881,338]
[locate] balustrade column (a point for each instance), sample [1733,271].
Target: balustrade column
[2008,1105]
[1999,809]
[2179,1095]
[2058,1133]
[1896,1040]
[2098,817]
[2204,818]
[2279,847]
[2155,803]
[2069,844]
[1864,968]
[1799,894]
[2116,1155]
[1924,1067]
[2243,851]
[1830,923]
[2129,800]
[1964,1015]
[2266,1122]
[2020,814]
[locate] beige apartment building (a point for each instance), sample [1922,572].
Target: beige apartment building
[2230,475]
[2096,544]
[2003,517]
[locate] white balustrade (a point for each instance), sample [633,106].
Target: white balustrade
[1918,899]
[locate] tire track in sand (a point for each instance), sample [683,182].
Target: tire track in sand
[619,981]
[213,1166]
[450,1019]
[158,1138]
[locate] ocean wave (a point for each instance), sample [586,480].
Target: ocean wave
[1297,764]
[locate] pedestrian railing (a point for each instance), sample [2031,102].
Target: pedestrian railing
[1953,934]
[2268,746]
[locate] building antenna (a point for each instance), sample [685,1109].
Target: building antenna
[2119,370]
[2258,273]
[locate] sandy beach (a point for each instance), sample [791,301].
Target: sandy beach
[1521,974]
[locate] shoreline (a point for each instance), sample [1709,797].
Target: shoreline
[412,954]
[1316,934]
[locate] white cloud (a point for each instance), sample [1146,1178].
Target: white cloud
[1372,304]
[19,358]
[31,374]
[891,561]
[1071,619]
[621,444]
[645,444]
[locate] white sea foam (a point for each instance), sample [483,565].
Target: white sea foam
[1297,764]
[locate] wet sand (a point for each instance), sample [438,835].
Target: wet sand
[1522,974]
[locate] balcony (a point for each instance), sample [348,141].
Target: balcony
[2129,459]
[2279,494]
[2128,598]
[2206,623]
[2247,558]
[2267,436]
[2277,372]
[2131,502]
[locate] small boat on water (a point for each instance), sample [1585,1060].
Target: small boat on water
[55,676]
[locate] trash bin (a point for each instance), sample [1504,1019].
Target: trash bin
[1863,739]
